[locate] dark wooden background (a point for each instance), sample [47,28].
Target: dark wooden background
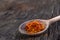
[14,12]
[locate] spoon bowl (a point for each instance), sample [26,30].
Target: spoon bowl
[45,22]
[22,26]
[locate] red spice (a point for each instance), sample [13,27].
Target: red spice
[34,26]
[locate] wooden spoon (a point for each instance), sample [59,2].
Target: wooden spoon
[45,22]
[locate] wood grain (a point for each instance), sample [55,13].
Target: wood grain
[15,12]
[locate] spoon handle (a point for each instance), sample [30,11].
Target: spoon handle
[52,20]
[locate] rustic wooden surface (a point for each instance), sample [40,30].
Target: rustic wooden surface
[14,12]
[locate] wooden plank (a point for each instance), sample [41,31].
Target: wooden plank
[23,10]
